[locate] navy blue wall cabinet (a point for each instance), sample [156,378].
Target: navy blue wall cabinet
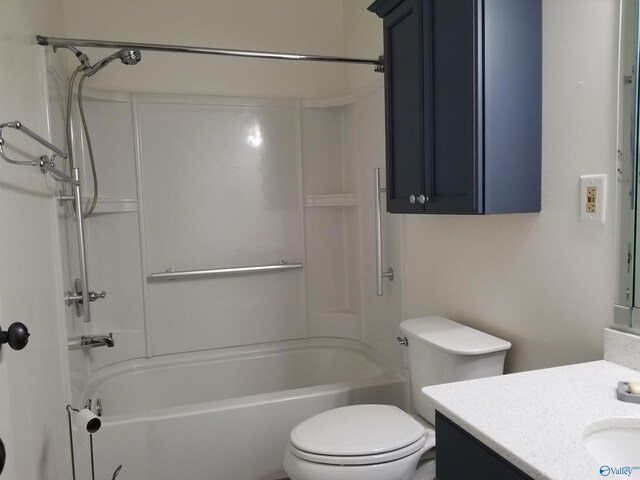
[463,93]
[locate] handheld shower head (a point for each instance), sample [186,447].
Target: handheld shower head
[127,57]
[130,57]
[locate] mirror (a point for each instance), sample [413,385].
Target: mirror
[627,307]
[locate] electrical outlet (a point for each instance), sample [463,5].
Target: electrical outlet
[593,198]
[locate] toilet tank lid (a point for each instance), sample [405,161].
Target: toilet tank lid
[452,337]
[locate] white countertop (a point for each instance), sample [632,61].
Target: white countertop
[536,419]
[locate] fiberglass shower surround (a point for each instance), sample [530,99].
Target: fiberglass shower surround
[129,53]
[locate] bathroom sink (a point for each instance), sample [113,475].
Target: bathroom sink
[614,441]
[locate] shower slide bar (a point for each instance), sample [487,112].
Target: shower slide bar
[171,274]
[55,42]
[84,278]
[380,274]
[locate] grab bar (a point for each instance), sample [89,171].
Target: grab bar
[171,274]
[380,275]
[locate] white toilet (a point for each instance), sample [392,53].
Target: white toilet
[381,442]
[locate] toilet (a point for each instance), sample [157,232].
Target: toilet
[382,442]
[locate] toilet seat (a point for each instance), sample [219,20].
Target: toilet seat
[360,459]
[359,435]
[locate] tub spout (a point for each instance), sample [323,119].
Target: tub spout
[92,341]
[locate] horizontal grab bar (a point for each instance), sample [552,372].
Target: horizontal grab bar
[171,274]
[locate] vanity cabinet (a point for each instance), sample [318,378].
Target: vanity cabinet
[460,456]
[463,93]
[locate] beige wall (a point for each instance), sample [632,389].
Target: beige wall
[298,26]
[542,281]
[32,393]
[362,39]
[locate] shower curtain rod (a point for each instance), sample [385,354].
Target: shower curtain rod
[75,42]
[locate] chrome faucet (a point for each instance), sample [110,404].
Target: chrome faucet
[92,341]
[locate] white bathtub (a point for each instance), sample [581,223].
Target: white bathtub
[225,415]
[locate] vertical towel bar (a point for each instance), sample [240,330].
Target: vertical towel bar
[380,274]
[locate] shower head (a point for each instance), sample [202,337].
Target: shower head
[130,57]
[127,57]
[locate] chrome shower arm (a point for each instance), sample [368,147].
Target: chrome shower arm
[95,68]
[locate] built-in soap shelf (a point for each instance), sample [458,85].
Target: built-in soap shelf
[331,200]
[113,205]
[330,174]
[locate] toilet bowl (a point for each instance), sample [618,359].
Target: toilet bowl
[382,442]
[358,442]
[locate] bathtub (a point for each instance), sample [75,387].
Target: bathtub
[225,415]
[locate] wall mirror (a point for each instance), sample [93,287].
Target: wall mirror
[627,302]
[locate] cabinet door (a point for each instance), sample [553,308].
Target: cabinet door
[461,456]
[404,107]
[453,172]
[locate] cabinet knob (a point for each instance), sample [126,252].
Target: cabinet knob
[422,199]
[412,199]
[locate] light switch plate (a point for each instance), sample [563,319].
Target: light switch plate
[593,198]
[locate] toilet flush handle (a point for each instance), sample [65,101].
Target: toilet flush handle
[403,341]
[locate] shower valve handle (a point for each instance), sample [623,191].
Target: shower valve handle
[93,296]
[77,297]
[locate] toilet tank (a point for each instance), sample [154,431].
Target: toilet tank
[444,351]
